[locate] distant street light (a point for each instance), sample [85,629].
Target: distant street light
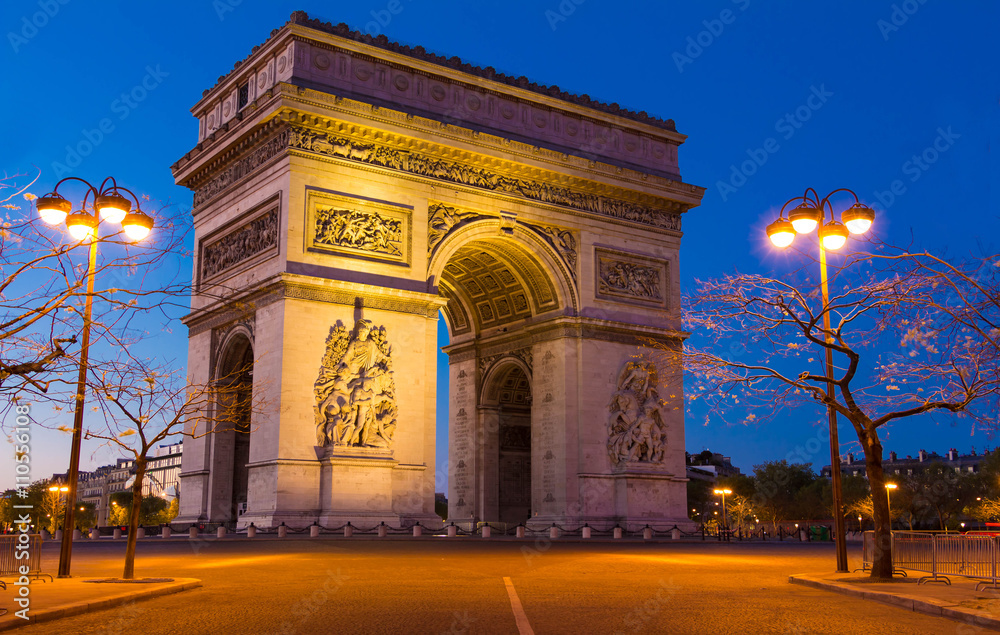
[889,487]
[807,216]
[725,517]
[106,204]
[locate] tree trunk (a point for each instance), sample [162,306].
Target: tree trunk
[133,521]
[882,556]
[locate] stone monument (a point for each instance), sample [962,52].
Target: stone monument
[347,192]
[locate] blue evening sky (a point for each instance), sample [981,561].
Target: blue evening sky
[841,94]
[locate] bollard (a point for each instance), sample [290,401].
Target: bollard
[220,532]
[314,530]
[166,532]
[140,533]
[77,534]
[45,535]
[58,534]
[803,535]
[586,531]
[348,530]
[95,534]
[647,533]
[520,531]
[675,534]
[452,530]
[282,530]
[618,532]
[382,529]
[252,531]
[193,532]
[487,531]
[553,532]
[418,531]
[117,533]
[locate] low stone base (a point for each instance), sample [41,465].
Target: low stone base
[356,483]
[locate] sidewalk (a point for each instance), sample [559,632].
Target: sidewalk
[960,601]
[72,596]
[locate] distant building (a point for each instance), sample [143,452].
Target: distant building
[162,479]
[893,465]
[709,466]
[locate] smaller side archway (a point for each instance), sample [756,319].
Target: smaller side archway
[230,442]
[505,424]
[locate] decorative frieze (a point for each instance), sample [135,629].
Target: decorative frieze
[244,243]
[242,168]
[622,276]
[636,430]
[357,227]
[446,170]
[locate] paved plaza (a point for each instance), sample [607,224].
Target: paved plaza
[468,585]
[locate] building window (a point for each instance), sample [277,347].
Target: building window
[242,96]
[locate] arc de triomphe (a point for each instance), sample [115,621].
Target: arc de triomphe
[346,191]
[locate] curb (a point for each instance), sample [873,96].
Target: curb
[928,606]
[67,610]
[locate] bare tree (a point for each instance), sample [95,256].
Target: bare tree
[144,404]
[911,334]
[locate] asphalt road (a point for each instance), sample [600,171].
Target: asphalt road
[454,586]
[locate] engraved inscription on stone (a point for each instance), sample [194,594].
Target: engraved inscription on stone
[355,390]
[636,432]
[239,245]
[626,277]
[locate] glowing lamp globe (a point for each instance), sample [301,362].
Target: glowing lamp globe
[81,225]
[858,218]
[137,225]
[113,207]
[53,208]
[805,218]
[833,235]
[781,233]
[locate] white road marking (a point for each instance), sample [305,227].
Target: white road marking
[523,627]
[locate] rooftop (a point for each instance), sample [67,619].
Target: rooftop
[301,18]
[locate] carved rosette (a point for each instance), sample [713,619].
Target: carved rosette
[636,431]
[355,391]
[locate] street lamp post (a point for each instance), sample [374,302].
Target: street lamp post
[725,516]
[888,500]
[810,214]
[107,204]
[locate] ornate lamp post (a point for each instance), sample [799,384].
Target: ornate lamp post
[107,204]
[810,213]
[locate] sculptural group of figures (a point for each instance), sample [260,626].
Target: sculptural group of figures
[355,391]
[636,431]
[368,231]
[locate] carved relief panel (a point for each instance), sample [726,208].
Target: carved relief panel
[353,226]
[355,391]
[234,248]
[636,431]
[631,278]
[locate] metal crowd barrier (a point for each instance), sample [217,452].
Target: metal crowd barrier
[941,555]
[11,566]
